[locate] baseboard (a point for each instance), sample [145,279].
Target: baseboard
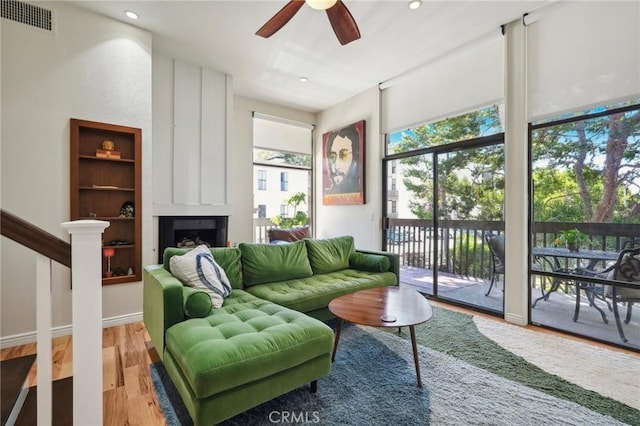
[65,330]
[515,319]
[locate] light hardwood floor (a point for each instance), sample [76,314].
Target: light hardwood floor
[127,352]
[129,398]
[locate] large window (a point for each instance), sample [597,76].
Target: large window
[585,173]
[281,153]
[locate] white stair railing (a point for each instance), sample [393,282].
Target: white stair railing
[43,339]
[86,305]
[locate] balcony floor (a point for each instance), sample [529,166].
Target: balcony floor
[556,312]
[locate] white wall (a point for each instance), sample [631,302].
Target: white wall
[362,221]
[192,109]
[91,68]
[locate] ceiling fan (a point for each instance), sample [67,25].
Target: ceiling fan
[344,26]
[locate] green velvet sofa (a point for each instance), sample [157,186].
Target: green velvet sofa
[267,338]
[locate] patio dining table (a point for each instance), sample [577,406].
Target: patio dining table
[553,256]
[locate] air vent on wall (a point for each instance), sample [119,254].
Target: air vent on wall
[26,13]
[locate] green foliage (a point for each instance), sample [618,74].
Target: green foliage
[469,255]
[471,182]
[588,170]
[415,259]
[299,218]
[571,236]
[584,171]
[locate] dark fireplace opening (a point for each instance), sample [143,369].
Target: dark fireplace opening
[191,231]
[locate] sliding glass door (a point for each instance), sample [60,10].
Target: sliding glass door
[443,202]
[585,180]
[470,193]
[410,228]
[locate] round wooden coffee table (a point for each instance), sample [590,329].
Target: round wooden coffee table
[383,307]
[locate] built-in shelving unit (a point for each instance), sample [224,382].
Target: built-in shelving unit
[102,187]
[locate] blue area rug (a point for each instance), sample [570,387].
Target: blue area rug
[465,382]
[354,393]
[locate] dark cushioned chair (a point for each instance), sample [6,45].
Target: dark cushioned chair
[625,269]
[288,235]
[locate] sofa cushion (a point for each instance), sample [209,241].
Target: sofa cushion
[197,303]
[312,293]
[227,350]
[369,262]
[198,269]
[266,263]
[227,257]
[331,254]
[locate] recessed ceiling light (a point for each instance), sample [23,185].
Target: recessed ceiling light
[131,14]
[414,4]
[303,79]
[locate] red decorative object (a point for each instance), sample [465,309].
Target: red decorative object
[108,253]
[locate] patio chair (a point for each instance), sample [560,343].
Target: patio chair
[626,269]
[631,243]
[496,247]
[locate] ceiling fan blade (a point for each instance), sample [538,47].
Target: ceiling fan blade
[343,23]
[280,19]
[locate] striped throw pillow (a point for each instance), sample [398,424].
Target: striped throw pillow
[198,269]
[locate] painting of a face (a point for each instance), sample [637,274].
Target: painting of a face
[340,159]
[343,170]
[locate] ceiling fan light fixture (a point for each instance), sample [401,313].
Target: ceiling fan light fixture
[414,4]
[321,4]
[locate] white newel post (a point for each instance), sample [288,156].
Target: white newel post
[86,305]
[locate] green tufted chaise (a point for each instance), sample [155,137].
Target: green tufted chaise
[267,339]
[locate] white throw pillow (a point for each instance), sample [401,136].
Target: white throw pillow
[198,269]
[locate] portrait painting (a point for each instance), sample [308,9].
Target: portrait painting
[343,165]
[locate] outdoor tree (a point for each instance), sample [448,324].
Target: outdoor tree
[589,170]
[299,218]
[583,171]
[471,182]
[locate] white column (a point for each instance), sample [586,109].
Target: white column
[86,305]
[516,181]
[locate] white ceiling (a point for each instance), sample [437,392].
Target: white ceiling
[221,35]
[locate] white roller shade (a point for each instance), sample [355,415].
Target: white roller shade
[583,54]
[277,134]
[457,82]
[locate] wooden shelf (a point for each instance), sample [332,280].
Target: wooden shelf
[100,187]
[103,188]
[93,157]
[120,246]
